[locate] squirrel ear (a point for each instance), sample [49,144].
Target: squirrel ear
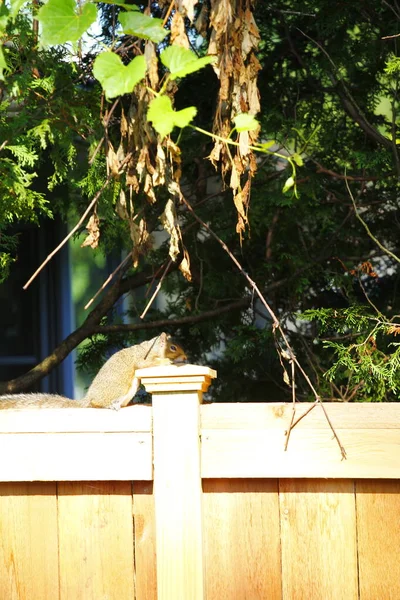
[163,337]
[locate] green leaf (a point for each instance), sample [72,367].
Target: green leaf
[15,6]
[165,118]
[288,184]
[297,159]
[182,61]
[245,122]
[60,22]
[4,16]
[266,145]
[116,78]
[3,64]
[142,26]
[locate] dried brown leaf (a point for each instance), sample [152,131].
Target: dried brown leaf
[178,31]
[112,161]
[187,7]
[170,224]
[92,226]
[184,266]
[121,207]
[152,64]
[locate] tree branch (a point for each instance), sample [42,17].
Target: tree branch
[118,289]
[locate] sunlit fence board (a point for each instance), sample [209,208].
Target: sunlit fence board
[248,440]
[273,524]
[76,445]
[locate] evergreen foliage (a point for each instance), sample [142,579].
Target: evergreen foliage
[310,207]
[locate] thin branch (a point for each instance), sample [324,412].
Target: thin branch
[209,314]
[335,435]
[275,322]
[367,229]
[70,234]
[169,11]
[348,102]
[96,150]
[87,329]
[150,302]
[107,281]
[287,433]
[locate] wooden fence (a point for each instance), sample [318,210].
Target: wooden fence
[184,501]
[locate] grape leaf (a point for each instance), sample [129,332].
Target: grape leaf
[116,78]
[182,61]
[15,6]
[60,22]
[165,118]
[245,122]
[142,26]
[4,16]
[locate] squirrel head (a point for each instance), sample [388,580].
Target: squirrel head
[165,347]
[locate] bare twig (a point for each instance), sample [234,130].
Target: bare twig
[169,11]
[107,281]
[287,433]
[367,229]
[69,235]
[96,150]
[275,321]
[209,314]
[150,302]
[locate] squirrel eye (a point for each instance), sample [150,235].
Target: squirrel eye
[173,348]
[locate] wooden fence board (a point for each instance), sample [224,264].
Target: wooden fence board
[28,541]
[96,540]
[378,531]
[145,541]
[318,536]
[242,540]
[65,457]
[344,415]
[61,420]
[371,453]
[177,497]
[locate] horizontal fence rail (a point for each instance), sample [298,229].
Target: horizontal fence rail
[189,501]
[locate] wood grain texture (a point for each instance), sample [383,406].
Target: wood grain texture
[70,456]
[378,527]
[242,540]
[178,497]
[96,541]
[135,418]
[380,415]
[28,541]
[318,537]
[145,541]
[371,453]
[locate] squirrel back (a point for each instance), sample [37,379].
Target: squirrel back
[115,384]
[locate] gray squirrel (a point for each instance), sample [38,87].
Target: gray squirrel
[115,384]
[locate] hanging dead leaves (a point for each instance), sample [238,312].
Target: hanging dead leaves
[234,40]
[144,162]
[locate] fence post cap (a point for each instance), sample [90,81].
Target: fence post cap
[176,378]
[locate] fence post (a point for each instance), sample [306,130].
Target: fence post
[177,394]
